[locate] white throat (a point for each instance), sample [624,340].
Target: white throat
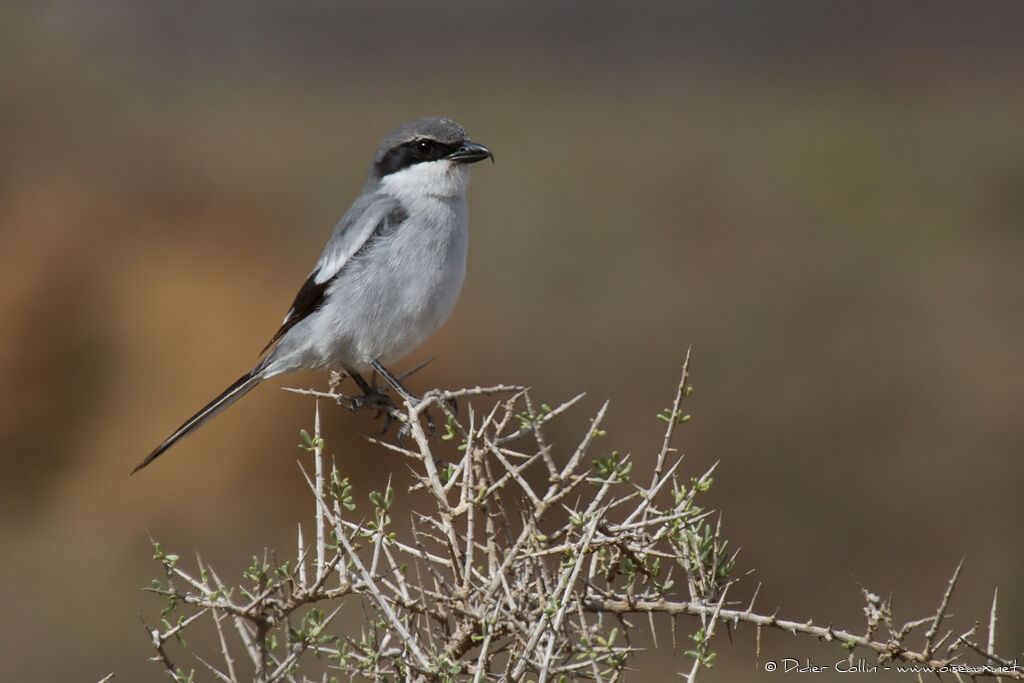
[442,179]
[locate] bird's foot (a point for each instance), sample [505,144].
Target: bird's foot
[379,401]
[373,399]
[386,408]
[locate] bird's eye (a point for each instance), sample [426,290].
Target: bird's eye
[424,146]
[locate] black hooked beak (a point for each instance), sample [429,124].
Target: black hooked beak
[470,153]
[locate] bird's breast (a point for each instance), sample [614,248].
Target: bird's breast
[404,285]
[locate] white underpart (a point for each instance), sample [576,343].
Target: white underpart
[403,286]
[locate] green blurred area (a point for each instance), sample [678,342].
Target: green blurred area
[825,201]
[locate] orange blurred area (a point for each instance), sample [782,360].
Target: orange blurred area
[826,204]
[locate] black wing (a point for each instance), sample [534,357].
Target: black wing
[309,298]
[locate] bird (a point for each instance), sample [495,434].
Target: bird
[389,275]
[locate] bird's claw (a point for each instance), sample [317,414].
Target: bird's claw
[387,421]
[404,430]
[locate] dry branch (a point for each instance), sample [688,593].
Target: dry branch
[522,564]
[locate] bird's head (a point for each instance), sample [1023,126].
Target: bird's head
[428,156]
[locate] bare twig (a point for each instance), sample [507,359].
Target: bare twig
[522,559]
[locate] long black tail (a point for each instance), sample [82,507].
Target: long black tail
[236,391]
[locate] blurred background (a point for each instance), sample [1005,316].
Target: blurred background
[825,200]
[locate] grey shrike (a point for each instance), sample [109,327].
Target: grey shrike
[389,275]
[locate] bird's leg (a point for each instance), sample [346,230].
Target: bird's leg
[394,382]
[362,383]
[403,392]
